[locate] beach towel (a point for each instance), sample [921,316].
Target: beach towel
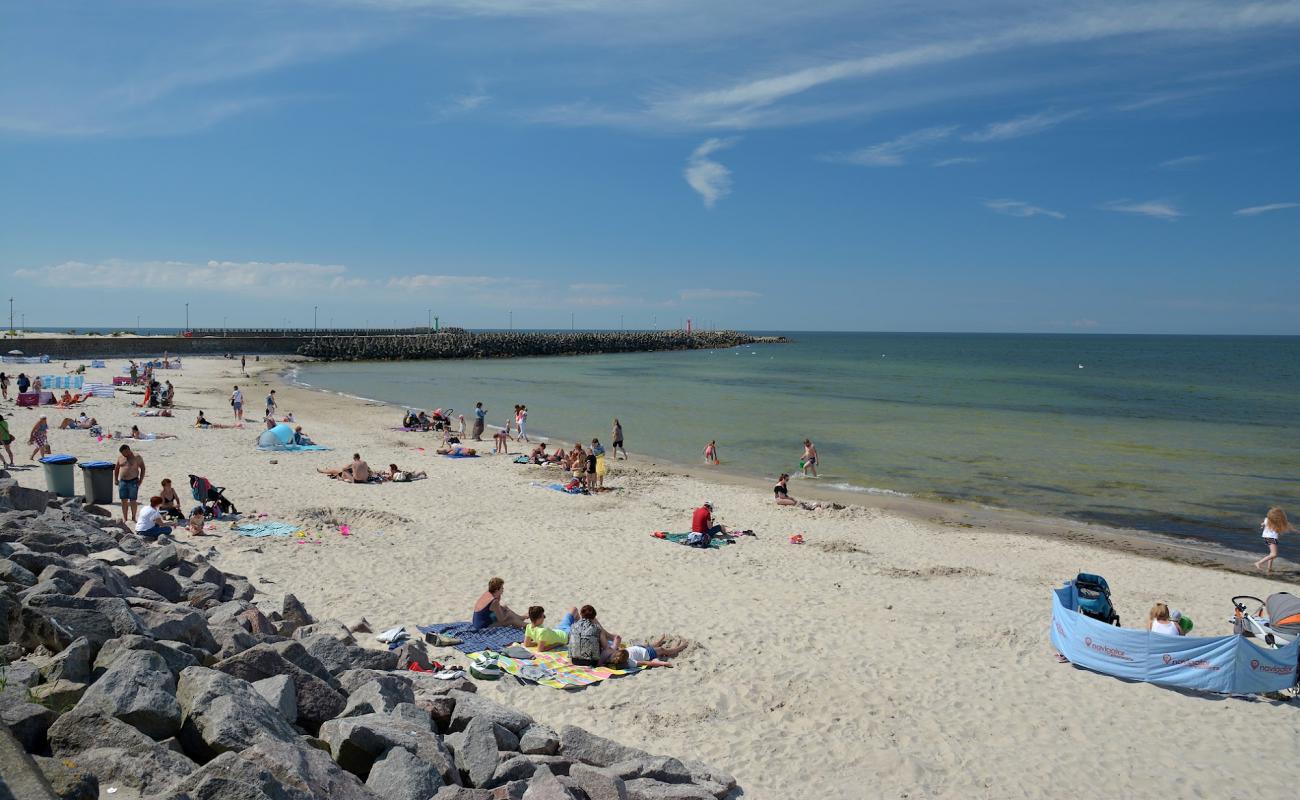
[460,455]
[97,364]
[257,530]
[560,487]
[473,639]
[523,460]
[554,669]
[680,538]
[295,448]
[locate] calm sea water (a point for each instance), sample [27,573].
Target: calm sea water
[1177,434]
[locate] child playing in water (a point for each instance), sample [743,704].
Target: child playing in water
[711,453]
[1274,525]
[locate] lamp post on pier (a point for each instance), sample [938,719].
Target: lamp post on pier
[314,309]
[187,316]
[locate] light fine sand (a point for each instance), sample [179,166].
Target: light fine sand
[887,657]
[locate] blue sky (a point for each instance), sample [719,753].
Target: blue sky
[996,166]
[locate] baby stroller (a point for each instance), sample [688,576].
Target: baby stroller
[1275,620]
[211,500]
[1094,598]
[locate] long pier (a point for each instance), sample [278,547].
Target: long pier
[365,345]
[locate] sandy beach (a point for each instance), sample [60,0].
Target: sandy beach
[889,656]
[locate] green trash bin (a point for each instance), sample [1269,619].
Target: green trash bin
[58,474]
[97,479]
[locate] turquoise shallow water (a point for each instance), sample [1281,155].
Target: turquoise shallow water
[1187,435]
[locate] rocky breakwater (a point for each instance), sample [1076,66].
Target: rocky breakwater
[463,344]
[143,668]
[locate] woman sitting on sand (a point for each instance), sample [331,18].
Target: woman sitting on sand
[402,475]
[81,423]
[1159,622]
[148,437]
[648,655]
[301,439]
[538,455]
[171,502]
[783,498]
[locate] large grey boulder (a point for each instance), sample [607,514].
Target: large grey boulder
[96,618]
[221,713]
[174,622]
[295,653]
[316,700]
[539,740]
[137,689]
[116,753]
[294,614]
[545,786]
[338,656]
[657,768]
[278,690]
[515,768]
[470,705]
[379,696]
[69,782]
[355,742]
[580,745]
[163,558]
[399,775]
[598,784]
[72,663]
[29,722]
[330,626]
[175,657]
[302,767]
[707,775]
[229,776]
[13,572]
[147,577]
[476,752]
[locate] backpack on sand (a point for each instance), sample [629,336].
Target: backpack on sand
[584,641]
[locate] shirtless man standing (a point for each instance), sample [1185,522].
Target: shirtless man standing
[128,473]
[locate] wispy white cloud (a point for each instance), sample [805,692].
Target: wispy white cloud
[1253,211]
[1155,99]
[417,282]
[1024,125]
[711,180]
[1019,208]
[1084,323]
[957,161]
[1183,161]
[893,152]
[221,276]
[695,295]
[1156,209]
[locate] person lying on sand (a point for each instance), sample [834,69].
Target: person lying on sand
[82,422]
[783,498]
[647,655]
[202,422]
[136,434]
[356,472]
[490,612]
[402,475]
[536,634]
[154,412]
[456,450]
[559,456]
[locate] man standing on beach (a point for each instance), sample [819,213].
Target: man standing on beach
[243,363]
[480,415]
[237,405]
[270,405]
[128,473]
[618,440]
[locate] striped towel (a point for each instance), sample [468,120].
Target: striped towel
[559,671]
[62,381]
[100,389]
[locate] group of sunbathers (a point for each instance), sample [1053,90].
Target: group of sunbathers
[360,472]
[581,463]
[586,640]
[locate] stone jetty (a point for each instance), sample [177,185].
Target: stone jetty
[140,669]
[456,343]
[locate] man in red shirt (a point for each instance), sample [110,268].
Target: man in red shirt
[702,520]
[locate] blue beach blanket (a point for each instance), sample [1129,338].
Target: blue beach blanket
[474,640]
[256,530]
[460,455]
[559,487]
[296,448]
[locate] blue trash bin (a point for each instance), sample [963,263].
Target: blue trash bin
[59,475]
[97,481]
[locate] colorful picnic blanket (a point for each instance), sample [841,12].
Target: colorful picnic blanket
[475,639]
[554,669]
[680,538]
[256,530]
